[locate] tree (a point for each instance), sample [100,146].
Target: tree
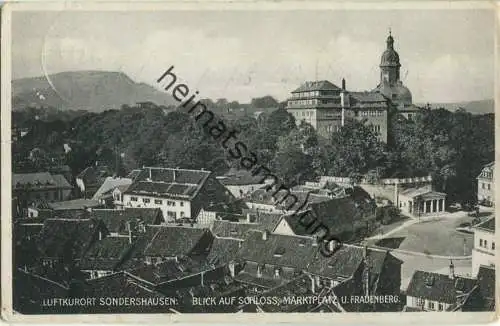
[353,150]
[264,102]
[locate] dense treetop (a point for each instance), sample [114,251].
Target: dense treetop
[450,146]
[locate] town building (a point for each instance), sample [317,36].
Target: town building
[30,187]
[106,193]
[428,291]
[119,221]
[327,107]
[483,253]
[179,193]
[486,185]
[91,179]
[241,182]
[421,201]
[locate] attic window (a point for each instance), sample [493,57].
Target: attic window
[429,280]
[279,252]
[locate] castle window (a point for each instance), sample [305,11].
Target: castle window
[158,201]
[133,198]
[480,242]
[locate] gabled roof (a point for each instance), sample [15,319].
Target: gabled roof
[346,260]
[486,281]
[121,285]
[39,180]
[259,221]
[66,237]
[168,182]
[115,220]
[75,204]
[223,251]
[235,230]
[281,250]
[106,254]
[169,270]
[318,85]
[488,225]
[425,192]
[93,175]
[438,287]
[239,177]
[133,174]
[170,241]
[109,184]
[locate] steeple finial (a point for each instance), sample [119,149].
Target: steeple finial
[390,32]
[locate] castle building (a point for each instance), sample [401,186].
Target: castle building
[327,107]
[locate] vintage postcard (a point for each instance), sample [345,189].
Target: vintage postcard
[249,162]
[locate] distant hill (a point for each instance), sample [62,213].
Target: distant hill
[474,107]
[95,91]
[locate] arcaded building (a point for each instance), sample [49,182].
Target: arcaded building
[327,107]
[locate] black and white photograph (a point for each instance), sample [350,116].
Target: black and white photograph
[261,160]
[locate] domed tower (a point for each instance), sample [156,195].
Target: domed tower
[390,84]
[389,63]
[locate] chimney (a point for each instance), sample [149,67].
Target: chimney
[264,235]
[452,270]
[231,269]
[343,84]
[129,233]
[313,284]
[315,242]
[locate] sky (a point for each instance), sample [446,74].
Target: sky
[446,55]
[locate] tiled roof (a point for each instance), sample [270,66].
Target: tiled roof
[39,180]
[168,271]
[300,286]
[486,281]
[239,177]
[366,97]
[66,237]
[281,250]
[223,251]
[122,285]
[235,207]
[109,184]
[488,225]
[115,220]
[260,221]
[106,254]
[346,260]
[75,204]
[29,290]
[133,174]
[167,182]
[170,241]
[229,229]
[438,287]
[319,85]
[61,181]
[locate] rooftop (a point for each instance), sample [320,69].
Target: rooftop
[438,287]
[109,184]
[319,85]
[488,225]
[168,182]
[39,180]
